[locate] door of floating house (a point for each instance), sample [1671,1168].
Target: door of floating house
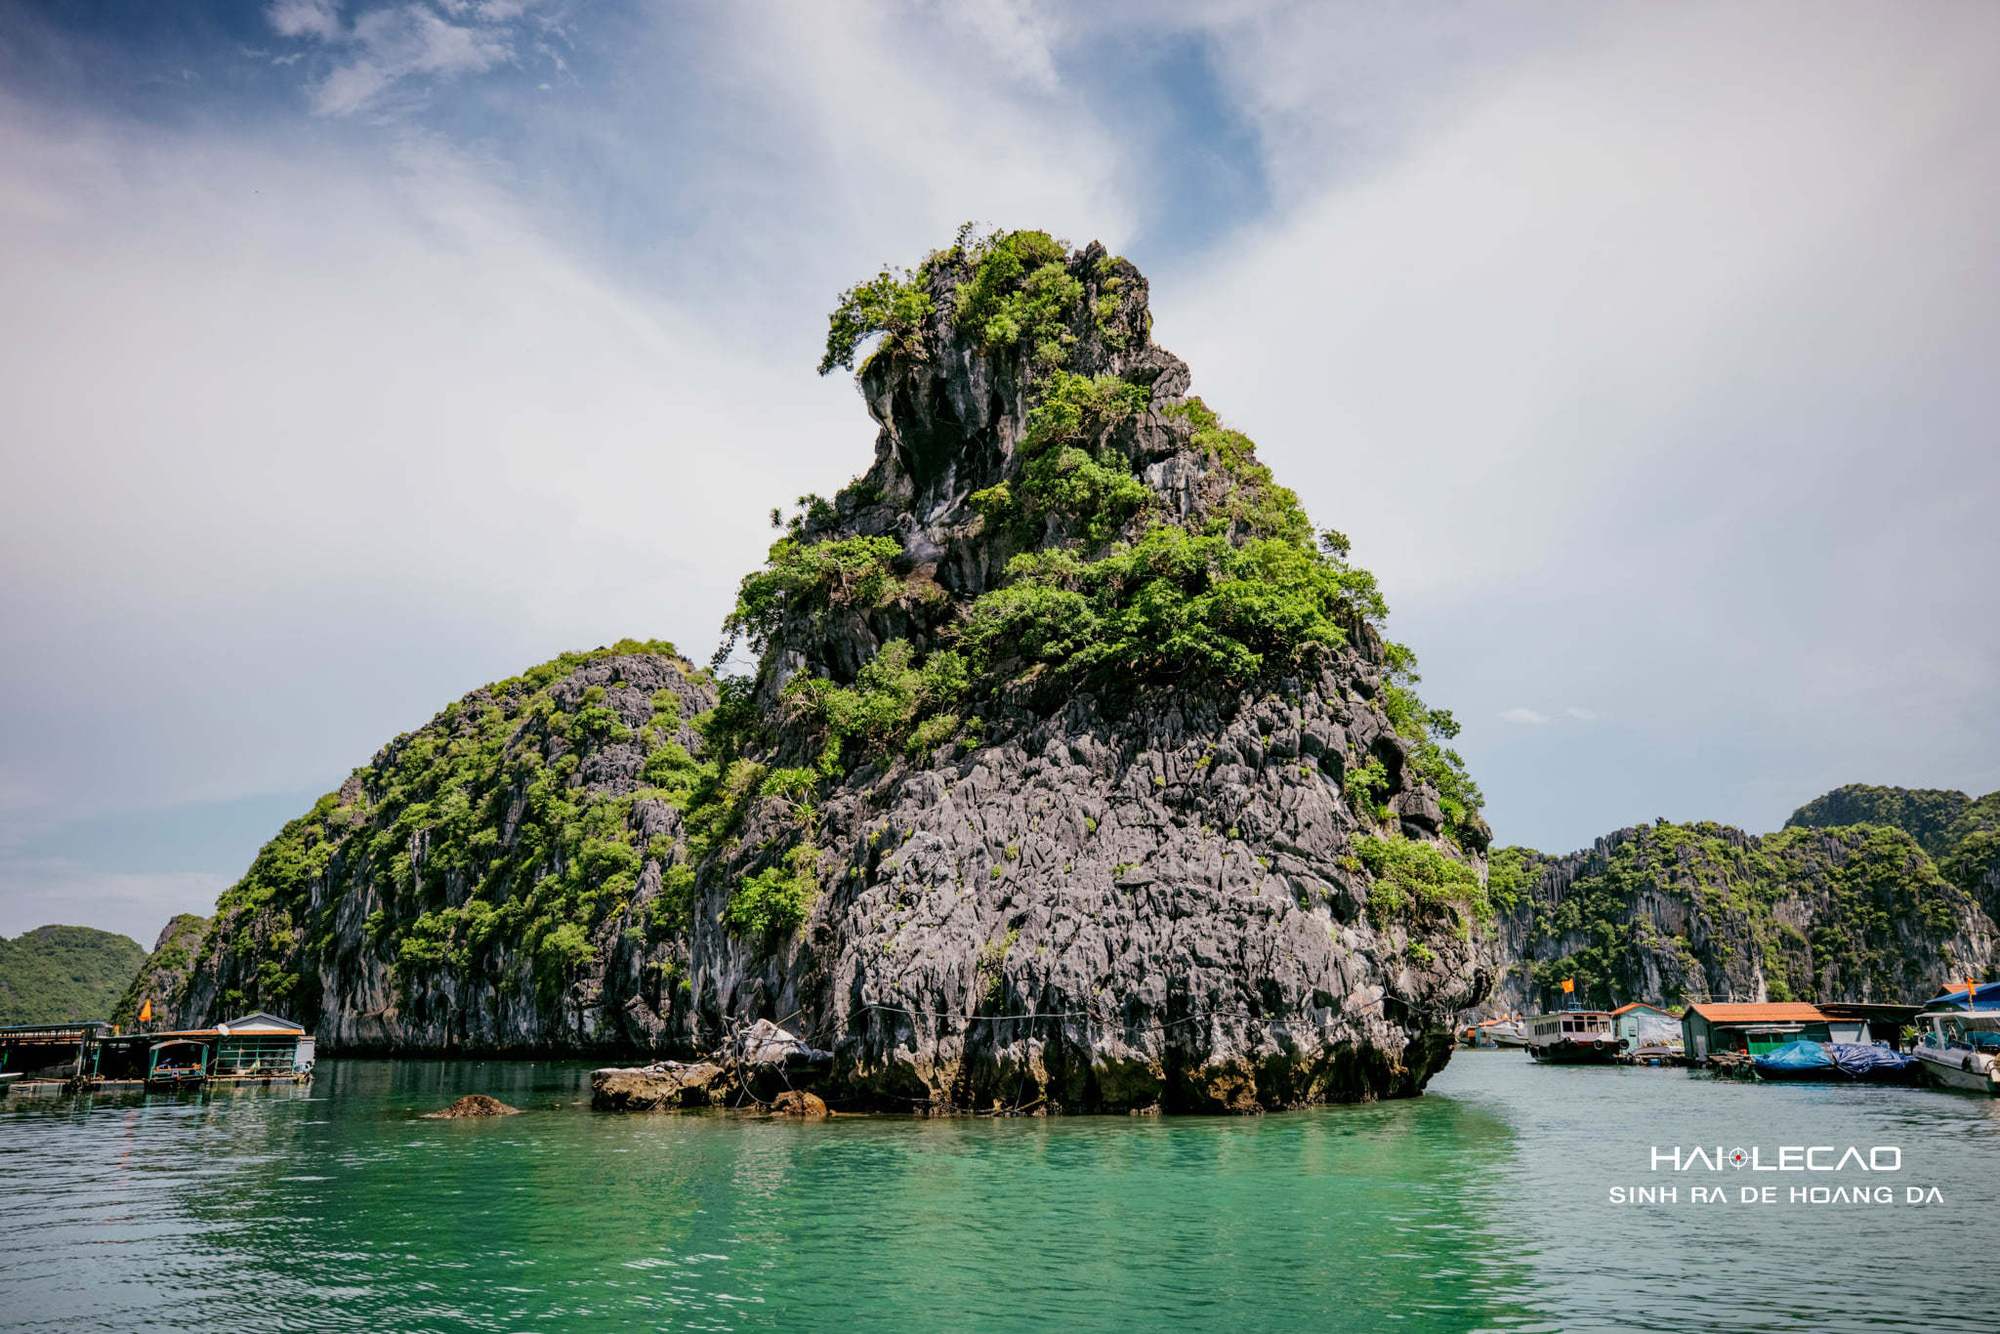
[177,1060]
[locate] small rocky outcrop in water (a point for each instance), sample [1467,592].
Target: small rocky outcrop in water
[664,1086]
[797,1102]
[473,1104]
[1075,772]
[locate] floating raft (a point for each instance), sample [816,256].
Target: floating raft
[257,1048]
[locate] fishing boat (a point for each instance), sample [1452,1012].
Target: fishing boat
[1573,1037]
[1504,1032]
[1960,1043]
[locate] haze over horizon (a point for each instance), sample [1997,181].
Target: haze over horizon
[362,353]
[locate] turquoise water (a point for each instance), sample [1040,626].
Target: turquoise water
[1484,1205]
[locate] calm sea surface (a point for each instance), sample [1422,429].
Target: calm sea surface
[1484,1205]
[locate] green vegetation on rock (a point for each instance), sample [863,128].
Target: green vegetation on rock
[165,971]
[1106,593]
[478,833]
[1414,879]
[1926,814]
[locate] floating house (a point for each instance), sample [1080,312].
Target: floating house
[1707,1029]
[47,1051]
[1879,1023]
[259,1047]
[1961,996]
[1641,1025]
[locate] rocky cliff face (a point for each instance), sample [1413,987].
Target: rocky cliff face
[483,883]
[163,977]
[1677,913]
[1074,773]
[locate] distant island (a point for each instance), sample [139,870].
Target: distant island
[1867,894]
[57,973]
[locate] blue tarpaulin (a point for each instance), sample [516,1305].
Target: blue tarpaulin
[1835,1060]
[1795,1056]
[1854,1059]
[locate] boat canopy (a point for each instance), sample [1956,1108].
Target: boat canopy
[1977,1030]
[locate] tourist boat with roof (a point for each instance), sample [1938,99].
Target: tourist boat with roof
[1959,1038]
[1573,1037]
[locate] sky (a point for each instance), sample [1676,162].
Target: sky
[361,353]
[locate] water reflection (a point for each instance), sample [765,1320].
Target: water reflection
[1483,1206]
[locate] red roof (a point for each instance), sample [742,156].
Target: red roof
[1772,1012]
[1642,1005]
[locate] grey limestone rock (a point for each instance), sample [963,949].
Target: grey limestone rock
[1104,898]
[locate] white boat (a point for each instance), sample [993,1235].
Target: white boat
[1960,1043]
[1506,1033]
[1573,1037]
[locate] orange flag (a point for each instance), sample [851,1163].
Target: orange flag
[146,1010]
[1569,985]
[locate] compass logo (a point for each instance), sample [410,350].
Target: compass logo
[1738,1158]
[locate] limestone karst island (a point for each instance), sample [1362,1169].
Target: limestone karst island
[1076,774]
[1056,806]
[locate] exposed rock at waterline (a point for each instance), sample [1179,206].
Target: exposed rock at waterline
[472,1105]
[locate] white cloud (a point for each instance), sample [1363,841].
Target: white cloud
[395,45]
[1523,715]
[1582,715]
[1013,33]
[304,18]
[373,440]
[1672,335]
[387,48]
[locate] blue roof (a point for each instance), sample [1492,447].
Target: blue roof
[1985,996]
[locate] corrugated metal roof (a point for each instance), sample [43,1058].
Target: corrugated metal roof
[262,1021]
[1770,1012]
[1629,1006]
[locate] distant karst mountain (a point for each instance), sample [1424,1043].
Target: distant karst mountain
[1925,814]
[1075,771]
[1867,894]
[56,973]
